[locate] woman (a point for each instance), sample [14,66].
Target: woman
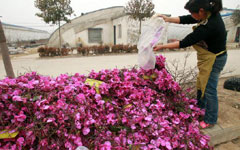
[209,40]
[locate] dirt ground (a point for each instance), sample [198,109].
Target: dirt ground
[230,98]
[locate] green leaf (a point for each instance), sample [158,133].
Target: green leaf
[53,11]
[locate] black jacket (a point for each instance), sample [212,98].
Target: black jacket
[212,33]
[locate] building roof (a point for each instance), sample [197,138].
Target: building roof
[22,27]
[227,14]
[227,9]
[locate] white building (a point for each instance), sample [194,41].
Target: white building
[232,29]
[112,26]
[14,33]
[105,26]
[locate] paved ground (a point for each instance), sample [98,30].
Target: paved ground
[83,65]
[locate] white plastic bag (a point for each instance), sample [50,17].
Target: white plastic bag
[82,148]
[154,31]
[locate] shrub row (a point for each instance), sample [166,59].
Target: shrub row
[87,50]
[52,51]
[105,49]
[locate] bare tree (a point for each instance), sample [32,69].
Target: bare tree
[5,54]
[186,75]
[236,16]
[236,19]
[139,10]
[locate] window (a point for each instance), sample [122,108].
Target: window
[95,35]
[119,31]
[237,35]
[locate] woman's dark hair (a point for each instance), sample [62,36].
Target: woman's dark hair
[214,6]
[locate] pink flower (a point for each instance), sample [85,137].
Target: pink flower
[60,103]
[185,116]
[20,117]
[45,107]
[78,124]
[124,120]
[77,116]
[20,141]
[51,120]
[168,145]
[68,89]
[148,118]
[110,119]
[86,130]
[68,145]
[106,146]
[11,107]
[39,114]
[17,92]
[29,133]
[14,147]
[203,141]
[78,141]
[17,98]
[176,120]
[81,98]
[98,97]
[133,127]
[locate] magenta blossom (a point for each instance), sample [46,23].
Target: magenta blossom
[20,117]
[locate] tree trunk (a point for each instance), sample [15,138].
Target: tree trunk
[5,54]
[140,26]
[60,40]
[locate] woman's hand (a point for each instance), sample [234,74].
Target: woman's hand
[172,45]
[158,47]
[165,18]
[168,19]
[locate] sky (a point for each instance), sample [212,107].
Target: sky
[22,12]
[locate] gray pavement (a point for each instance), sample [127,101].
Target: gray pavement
[83,65]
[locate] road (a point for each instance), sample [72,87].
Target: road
[60,65]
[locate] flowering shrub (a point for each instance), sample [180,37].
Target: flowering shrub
[52,51]
[133,109]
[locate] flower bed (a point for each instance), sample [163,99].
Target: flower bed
[131,109]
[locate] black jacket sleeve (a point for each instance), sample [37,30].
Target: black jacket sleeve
[188,19]
[199,34]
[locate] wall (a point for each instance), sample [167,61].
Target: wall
[82,37]
[231,28]
[124,27]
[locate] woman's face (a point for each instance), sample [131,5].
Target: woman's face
[196,16]
[201,15]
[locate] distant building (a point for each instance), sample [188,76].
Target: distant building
[105,26]
[232,29]
[14,33]
[112,26]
